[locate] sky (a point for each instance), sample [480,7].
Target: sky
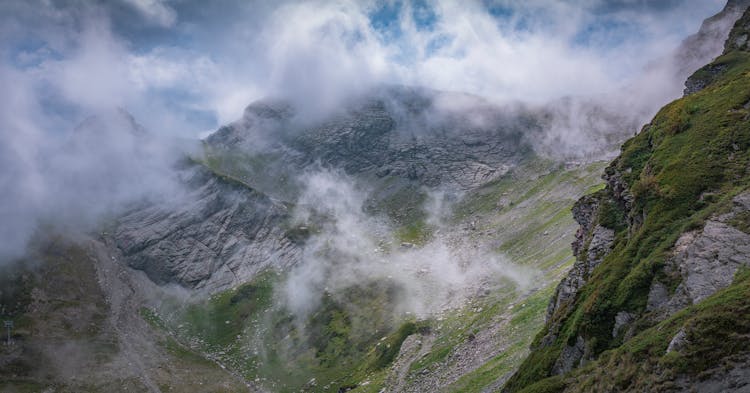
[186,67]
[182,68]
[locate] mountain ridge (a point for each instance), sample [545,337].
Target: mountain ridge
[661,241]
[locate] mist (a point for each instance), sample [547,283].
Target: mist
[184,68]
[350,248]
[78,180]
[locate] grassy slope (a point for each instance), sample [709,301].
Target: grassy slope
[533,228]
[686,165]
[64,340]
[347,343]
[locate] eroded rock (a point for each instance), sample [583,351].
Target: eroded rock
[218,235]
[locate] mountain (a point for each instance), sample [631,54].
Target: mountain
[707,42]
[657,299]
[197,279]
[241,192]
[407,241]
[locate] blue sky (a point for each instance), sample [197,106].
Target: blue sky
[189,66]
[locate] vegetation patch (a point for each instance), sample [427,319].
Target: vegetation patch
[684,166]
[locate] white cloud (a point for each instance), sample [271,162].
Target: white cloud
[64,61]
[156,11]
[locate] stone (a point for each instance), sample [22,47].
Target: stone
[570,357]
[678,342]
[622,319]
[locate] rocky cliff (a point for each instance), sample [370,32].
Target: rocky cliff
[433,138]
[656,300]
[707,42]
[233,220]
[217,235]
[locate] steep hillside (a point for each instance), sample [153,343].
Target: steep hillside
[215,235]
[464,346]
[78,327]
[657,299]
[476,161]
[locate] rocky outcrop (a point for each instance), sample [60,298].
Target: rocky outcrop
[570,357]
[217,235]
[621,194]
[734,377]
[368,141]
[738,36]
[703,261]
[592,244]
[707,44]
[700,80]
[392,132]
[600,244]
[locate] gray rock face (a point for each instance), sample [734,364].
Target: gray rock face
[368,142]
[708,260]
[593,243]
[398,132]
[621,194]
[570,357]
[706,44]
[738,37]
[678,342]
[622,320]
[658,296]
[600,245]
[584,212]
[700,81]
[733,377]
[705,261]
[218,235]
[600,241]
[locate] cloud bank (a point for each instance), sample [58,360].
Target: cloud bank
[190,66]
[184,67]
[350,248]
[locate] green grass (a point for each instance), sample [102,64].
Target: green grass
[717,330]
[339,344]
[695,146]
[264,172]
[417,232]
[224,316]
[525,319]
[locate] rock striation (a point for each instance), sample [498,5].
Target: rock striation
[217,235]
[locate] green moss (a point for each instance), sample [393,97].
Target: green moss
[611,215]
[416,233]
[742,222]
[338,343]
[549,385]
[685,165]
[223,317]
[387,350]
[21,386]
[716,330]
